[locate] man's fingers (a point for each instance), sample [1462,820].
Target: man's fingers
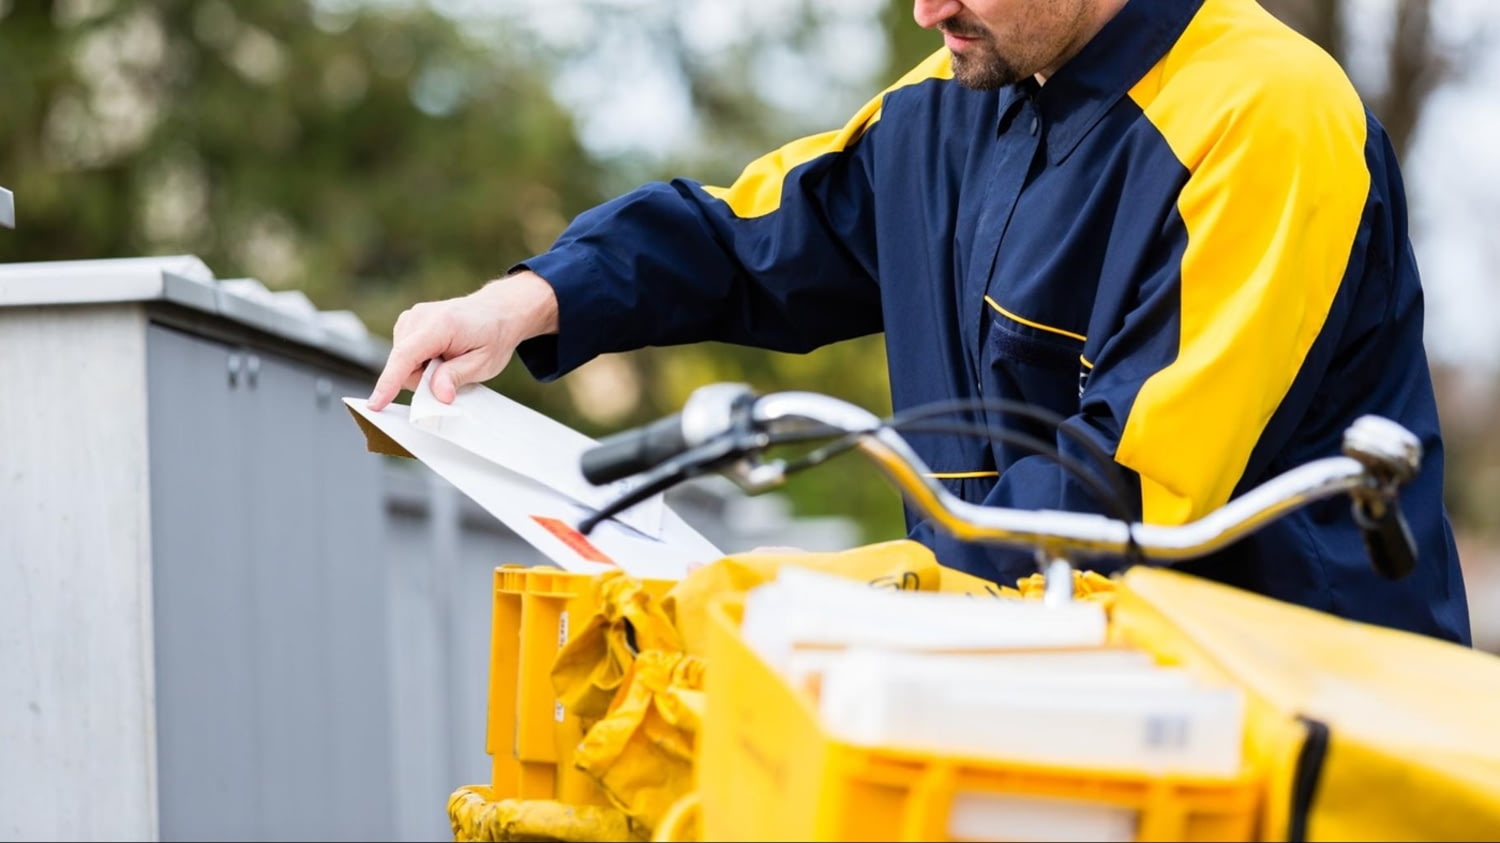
[443,387]
[461,371]
[404,364]
[386,389]
[467,330]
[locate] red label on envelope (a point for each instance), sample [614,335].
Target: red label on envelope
[573,539]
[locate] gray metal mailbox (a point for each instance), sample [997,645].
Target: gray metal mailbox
[220,617]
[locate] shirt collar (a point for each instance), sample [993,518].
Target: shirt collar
[1083,90]
[1009,96]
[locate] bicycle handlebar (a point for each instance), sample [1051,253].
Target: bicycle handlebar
[727,427]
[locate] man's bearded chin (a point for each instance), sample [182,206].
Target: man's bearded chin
[984,70]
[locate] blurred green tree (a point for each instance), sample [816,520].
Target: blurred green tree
[371,156]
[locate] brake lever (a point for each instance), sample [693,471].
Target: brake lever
[1392,455]
[1387,537]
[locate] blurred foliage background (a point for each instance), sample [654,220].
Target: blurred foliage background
[374,154]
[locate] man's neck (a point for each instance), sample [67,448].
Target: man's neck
[1103,12]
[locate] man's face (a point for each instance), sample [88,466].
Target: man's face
[999,42]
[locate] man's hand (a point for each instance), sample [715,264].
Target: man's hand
[475,336]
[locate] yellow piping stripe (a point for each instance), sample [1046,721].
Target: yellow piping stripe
[963,475]
[1085,362]
[1039,326]
[1272,134]
[757,191]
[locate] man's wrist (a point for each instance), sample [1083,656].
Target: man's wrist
[530,299]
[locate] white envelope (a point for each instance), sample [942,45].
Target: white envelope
[522,467]
[509,433]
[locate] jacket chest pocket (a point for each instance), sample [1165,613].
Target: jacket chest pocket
[1028,361]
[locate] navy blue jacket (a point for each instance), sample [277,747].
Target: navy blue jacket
[1191,242]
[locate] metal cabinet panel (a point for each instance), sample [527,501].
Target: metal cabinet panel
[293,713]
[441,550]
[208,753]
[271,654]
[423,671]
[358,658]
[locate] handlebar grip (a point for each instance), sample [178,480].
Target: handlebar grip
[633,451]
[1388,539]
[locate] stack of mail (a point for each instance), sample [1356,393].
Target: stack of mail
[804,620]
[1003,679]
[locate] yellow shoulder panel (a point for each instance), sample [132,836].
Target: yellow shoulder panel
[757,192]
[1272,134]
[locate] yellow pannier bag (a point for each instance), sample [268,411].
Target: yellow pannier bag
[1362,732]
[642,751]
[591,667]
[476,814]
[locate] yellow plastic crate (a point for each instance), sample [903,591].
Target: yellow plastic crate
[529,735]
[768,771]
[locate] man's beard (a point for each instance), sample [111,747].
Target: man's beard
[987,72]
[981,68]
